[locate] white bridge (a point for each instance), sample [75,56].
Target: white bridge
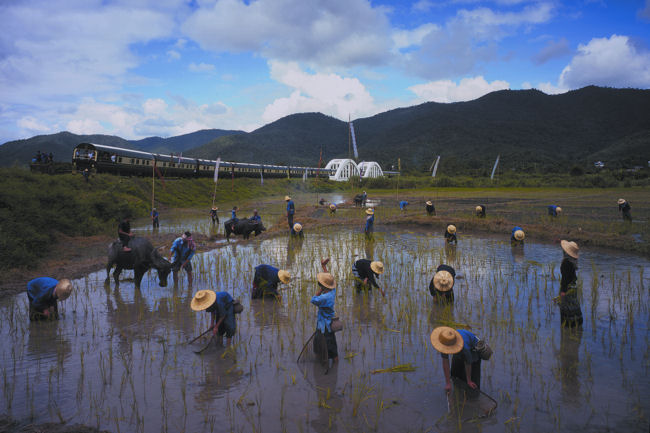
[347,168]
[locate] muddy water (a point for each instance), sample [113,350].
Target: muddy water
[118,360]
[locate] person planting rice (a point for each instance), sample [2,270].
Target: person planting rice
[450,234]
[180,255]
[332,208]
[430,208]
[324,299]
[480,211]
[43,293]
[554,210]
[467,351]
[124,233]
[296,230]
[370,222]
[266,280]
[517,236]
[291,210]
[213,215]
[442,284]
[222,310]
[625,209]
[365,272]
[570,311]
[403,204]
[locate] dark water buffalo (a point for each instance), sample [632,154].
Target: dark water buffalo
[359,200]
[243,227]
[142,257]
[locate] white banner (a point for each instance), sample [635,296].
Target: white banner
[494,169]
[216,170]
[354,141]
[304,176]
[262,178]
[435,167]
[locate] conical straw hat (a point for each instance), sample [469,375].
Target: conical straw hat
[451,229]
[284,276]
[571,248]
[377,267]
[447,340]
[370,211]
[297,227]
[520,235]
[443,281]
[203,299]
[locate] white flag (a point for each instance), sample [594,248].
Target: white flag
[304,176]
[216,170]
[354,141]
[495,167]
[435,167]
[262,177]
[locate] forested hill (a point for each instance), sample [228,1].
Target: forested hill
[181,143]
[529,129]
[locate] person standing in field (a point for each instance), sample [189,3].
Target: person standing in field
[180,254]
[368,228]
[266,280]
[222,309]
[43,294]
[554,210]
[365,271]
[325,299]
[450,234]
[441,286]
[124,233]
[430,208]
[291,210]
[570,311]
[625,209]
[154,218]
[214,215]
[517,236]
[480,211]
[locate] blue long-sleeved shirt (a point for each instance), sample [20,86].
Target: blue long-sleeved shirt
[182,251]
[468,355]
[291,209]
[325,304]
[403,204]
[370,220]
[256,218]
[512,236]
[552,210]
[40,292]
[233,214]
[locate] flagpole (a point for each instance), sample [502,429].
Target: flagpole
[153,183]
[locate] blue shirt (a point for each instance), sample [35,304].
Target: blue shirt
[403,204]
[512,236]
[40,292]
[256,218]
[154,214]
[182,251]
[552,210]
[325,304]
[370,220]
[266,275]
[233,214]
[468,355]
[290,207]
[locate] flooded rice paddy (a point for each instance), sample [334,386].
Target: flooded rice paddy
[117,359]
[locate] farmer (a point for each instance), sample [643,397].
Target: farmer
[256,218]
[370,222]
[480,211]
[43,293]
[321,201]
[624,207]
[213,215]
[291,209]
[430,208]
[554,210]
[403,204]
[296,230]
[570,311]
[467,351]
[220,305]
[364,197]
[442,284]
[517,236]
[450,234]
[233,214]
[124,233]
[86,174]
[154,218]
[324,299]
[332,208]
[266,280]
[365,272]
[180,255]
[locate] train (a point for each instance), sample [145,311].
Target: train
[99,158]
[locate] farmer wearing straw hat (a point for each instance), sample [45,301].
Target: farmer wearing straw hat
[430,208]
[442,284]
[450,234]
[180,255]
[266,280]
[365,271]
[403,204]
[291,210]
[154,218]
[467,351]
[43,293]
[625,208]
[554,210]
[370,221]
[517,236]
[213,215]
[324,299]
[570,311]
[332,208]
[296,230]
[480,211]
[220,305]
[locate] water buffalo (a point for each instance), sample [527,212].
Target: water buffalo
[359,200]
[142,257]
[243,227]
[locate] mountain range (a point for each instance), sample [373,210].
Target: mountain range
[529,129]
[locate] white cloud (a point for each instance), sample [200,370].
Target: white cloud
[173,55]
[612,61]
[201,67]
[408,38]
[551,89]
[448,91]
[31,124]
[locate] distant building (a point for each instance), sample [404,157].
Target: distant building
[601,164]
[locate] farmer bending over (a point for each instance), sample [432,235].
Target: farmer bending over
[296,230]
[403,204]
[442,284]
[266,280]
[554,210]
[43,293]
[365,272]
[517,237]
[180,255]
[625,208]
[450,234]
[324,299]
[480,211]
[221,307]
[430,208]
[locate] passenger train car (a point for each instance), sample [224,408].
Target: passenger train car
[108,159]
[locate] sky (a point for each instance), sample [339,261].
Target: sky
[140,68]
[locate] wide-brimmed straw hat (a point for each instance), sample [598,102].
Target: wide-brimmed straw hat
[520,235]
[571,248]
[428,203]
[215,208]
[332,206]
[287,198]
[377,267]
[203,299]
[297,227]
[443,281]
[326,279]
[284,276]
[451,229]
[63,289]
[621,200]
[558,209]
[447,340]
[370,211]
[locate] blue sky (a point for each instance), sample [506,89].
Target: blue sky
[137,68]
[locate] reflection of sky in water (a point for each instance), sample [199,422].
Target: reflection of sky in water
[118,356]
